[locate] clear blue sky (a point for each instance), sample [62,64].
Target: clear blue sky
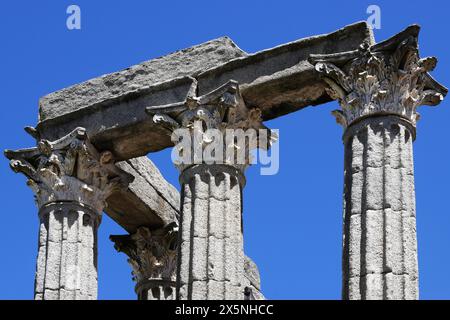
[293,220]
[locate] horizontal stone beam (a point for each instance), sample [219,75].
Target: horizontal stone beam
[281,80]
[149,201]
[137,78]
[112,108]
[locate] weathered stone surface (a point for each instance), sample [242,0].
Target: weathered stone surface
[379,87]
[252,281]
[69,169]
[278,81]
[222,109]
[251,272]
[181,63]
[384,78]
[71,181]
[211,258]
[380,246]
[67,252]
[211,265]
[153,258]
[149,200]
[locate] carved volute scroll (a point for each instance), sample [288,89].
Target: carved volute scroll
[221,109]
[69,169]
[379,87]
[384,78]
[152,254]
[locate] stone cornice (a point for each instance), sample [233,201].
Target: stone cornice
[69,169]
[384,78]
[278,81]
[152,254]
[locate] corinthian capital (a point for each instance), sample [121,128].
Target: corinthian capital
[152,254]
[384,78]
[210,118]
[69,169]
[222,108]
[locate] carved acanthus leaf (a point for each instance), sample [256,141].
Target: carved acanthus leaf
[219,110]
[69,169]
[385,78]
[222,108]
[152,254]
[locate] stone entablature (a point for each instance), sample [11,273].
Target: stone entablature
[278,81]
[379,86]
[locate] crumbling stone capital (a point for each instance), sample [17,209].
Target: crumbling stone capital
[210,117]
[69,169]
[153,258]
[379,87]
[71,181]
[387,78]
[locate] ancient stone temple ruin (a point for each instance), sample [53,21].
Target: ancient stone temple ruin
[92,140]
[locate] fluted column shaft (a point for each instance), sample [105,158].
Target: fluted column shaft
[211,253]
[156,290]
[379,88]
[211,156]
[71,181]
[67,254]
[380,246]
